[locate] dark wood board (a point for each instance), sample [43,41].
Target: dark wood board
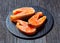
[53,6]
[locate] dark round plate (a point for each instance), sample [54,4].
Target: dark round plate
[46,28]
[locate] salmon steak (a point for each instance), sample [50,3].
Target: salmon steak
[37,20]
[25,27]
[21,13]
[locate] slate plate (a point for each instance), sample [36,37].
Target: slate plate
[44,30]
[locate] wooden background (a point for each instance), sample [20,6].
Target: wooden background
[53,6]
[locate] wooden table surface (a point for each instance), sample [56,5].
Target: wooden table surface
[53,6]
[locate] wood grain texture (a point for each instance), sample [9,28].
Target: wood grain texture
[41,40]
[6,37]
[53,6]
